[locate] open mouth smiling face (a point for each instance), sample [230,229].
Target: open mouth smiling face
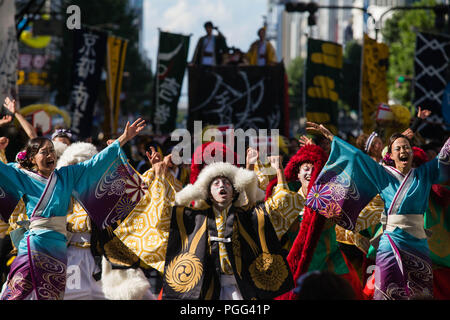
[402,152]
[305,172]
[45,159]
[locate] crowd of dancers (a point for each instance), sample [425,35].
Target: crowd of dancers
[82,223]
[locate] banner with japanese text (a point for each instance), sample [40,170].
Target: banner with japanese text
[89,53]
[9,51]
[171,67]
[323,78]
[432,83]
[374,90]
[115,61]
[248,97]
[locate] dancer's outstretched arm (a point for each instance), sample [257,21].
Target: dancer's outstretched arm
[28,127]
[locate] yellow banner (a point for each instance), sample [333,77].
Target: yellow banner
[374,84]
[115,60]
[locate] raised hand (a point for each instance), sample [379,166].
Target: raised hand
[5,120]
[10,105]
[252,155]
[408,133]
[276,162]
[319,128]
[305,141]
[153,157]
[422,114]
[131,131]
[162,167]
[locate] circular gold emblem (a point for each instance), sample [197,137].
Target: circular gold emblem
[184,272]
[268,271]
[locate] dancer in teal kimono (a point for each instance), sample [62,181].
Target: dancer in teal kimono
[106,186]
[350,179]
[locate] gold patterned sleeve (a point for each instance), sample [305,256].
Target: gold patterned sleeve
[19,214]
[369,216]
[146,230]
[3,156]
[283,208]
[148,176]
[263,177]
[3,229]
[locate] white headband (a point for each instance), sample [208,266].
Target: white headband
[369,141]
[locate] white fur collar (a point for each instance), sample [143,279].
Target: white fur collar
[244,181]
[75,153]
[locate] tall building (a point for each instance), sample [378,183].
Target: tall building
[290,30]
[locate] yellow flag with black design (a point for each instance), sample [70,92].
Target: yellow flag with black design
[374,84]
[323,79]
[116,53]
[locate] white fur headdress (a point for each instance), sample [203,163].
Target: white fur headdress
[75,153]
[244,182]
[59,148]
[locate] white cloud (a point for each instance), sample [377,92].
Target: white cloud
[238,20]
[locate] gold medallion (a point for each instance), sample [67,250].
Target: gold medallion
[268,271]
[184,272]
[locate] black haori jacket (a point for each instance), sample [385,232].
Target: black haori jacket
[192,269]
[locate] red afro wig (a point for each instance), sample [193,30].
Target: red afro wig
[213,149]
[308,153]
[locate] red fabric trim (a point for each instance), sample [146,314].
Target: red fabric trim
[353,278]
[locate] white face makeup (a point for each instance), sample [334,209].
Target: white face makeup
[45,159]
[305,172]
[221,191]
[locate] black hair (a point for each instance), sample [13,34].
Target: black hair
[32,148]
[394,137]
[323,285]
[208,24]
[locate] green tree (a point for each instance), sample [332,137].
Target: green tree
[295,72]
[399,33]
[114,17]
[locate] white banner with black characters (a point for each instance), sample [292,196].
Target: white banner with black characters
[89,53]
[8,50]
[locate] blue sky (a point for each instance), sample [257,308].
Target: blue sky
[238,20]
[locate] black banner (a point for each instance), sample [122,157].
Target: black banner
[432,83]
[248,97]
[89,53]
[171,66]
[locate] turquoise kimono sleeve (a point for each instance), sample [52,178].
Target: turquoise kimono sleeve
[437,170]
[107,186]
[12,187]
[347,183]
